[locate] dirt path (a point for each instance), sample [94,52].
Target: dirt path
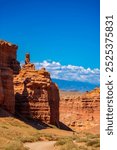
[44,145]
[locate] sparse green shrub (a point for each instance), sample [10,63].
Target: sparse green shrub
[63,141]
[66,144]
[92,136]
[69,146]
[83,148]
[29,139]
[50,137]
[16,145]
[95,143]
[4,127]
[80,140]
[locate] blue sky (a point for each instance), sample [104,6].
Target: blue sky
[64,31]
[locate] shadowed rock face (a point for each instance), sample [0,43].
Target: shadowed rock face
[8,66]
[37,97]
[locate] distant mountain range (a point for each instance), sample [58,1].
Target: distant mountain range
[74,85]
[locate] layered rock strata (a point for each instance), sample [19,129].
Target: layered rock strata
[80,109]
[37,97]
[8,66]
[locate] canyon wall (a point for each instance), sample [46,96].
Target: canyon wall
[32,94]
[37,97]
[8,66]
[81,110]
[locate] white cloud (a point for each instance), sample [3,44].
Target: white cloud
[70,72]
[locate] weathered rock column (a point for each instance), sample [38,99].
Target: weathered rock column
[37,97]
[8,102]
[8,66]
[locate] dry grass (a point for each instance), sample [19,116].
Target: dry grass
[81,141]
[16,132]
[13,133]
[57,132]
[66,144]
[15,145]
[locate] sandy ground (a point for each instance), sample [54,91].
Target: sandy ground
[44,145]
[58,132]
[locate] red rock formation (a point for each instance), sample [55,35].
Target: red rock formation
[81,110]
[7,56]
[1,90]
[37,97]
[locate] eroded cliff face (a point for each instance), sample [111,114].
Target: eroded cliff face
[37,97]
[80,110]
[8,66]
[33,94]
